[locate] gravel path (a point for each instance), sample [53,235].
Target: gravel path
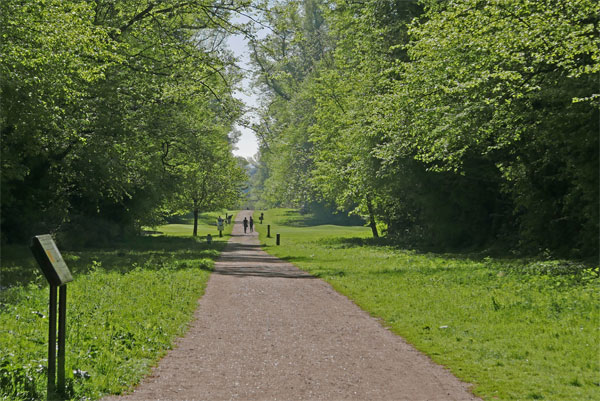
[265,330]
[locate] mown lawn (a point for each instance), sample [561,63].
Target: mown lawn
[207,224]
[126,306]
[515,329]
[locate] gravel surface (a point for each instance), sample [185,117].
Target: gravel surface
[265,330]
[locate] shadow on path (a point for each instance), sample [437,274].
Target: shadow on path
[258,272]
[244,257]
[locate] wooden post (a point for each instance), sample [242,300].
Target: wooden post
[268,231]
[52,343]
[62,334]
[278,239]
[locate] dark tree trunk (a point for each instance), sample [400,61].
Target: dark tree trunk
[372,218]
[195,218]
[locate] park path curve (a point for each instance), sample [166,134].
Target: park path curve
[265,330]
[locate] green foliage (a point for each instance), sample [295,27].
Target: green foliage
[211,178]
[51,54]
[461,123]
[102,107]
[125,308]
[517,329]
[284,61]
[503,82]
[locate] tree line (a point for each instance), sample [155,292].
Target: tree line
[114,115]
[453,124]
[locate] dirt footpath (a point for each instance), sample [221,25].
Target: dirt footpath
[265,330]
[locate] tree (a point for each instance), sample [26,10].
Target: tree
[88,92]
[284,61]
[454,123]
[510,83]
[208,176]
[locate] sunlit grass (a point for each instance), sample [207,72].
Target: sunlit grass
[510,327]
[126,306]
[207,224]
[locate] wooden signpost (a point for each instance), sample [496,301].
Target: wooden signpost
[57,273]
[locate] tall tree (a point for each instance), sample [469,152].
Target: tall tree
[88,92]
[453,123]
[284,60]
[511,82]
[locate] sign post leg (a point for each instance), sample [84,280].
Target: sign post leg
[52,343]
[62,320]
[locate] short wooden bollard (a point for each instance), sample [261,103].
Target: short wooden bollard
[268,231]
[278,238]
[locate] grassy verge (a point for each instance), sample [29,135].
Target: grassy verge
[207,224]
[125,307]
[515,329]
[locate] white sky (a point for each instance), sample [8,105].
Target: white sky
[247,146]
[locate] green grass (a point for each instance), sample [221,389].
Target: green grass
[126,305]
[207,224]
[516,329]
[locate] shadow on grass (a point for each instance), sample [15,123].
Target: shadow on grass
[324,273]
[18,267]
[465,253]
[294,259]
[293,219]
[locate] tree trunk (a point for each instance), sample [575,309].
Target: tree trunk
[372,218]
[195,218]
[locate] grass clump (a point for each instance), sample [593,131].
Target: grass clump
[126,306]
[516,329]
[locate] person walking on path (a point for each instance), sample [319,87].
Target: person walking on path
[251,224]
[245,224]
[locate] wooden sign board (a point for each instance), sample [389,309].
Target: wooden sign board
[50,260]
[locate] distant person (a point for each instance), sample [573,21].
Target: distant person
[251,224]
[245,224]
[229,219]
[262,216]
[220,226]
